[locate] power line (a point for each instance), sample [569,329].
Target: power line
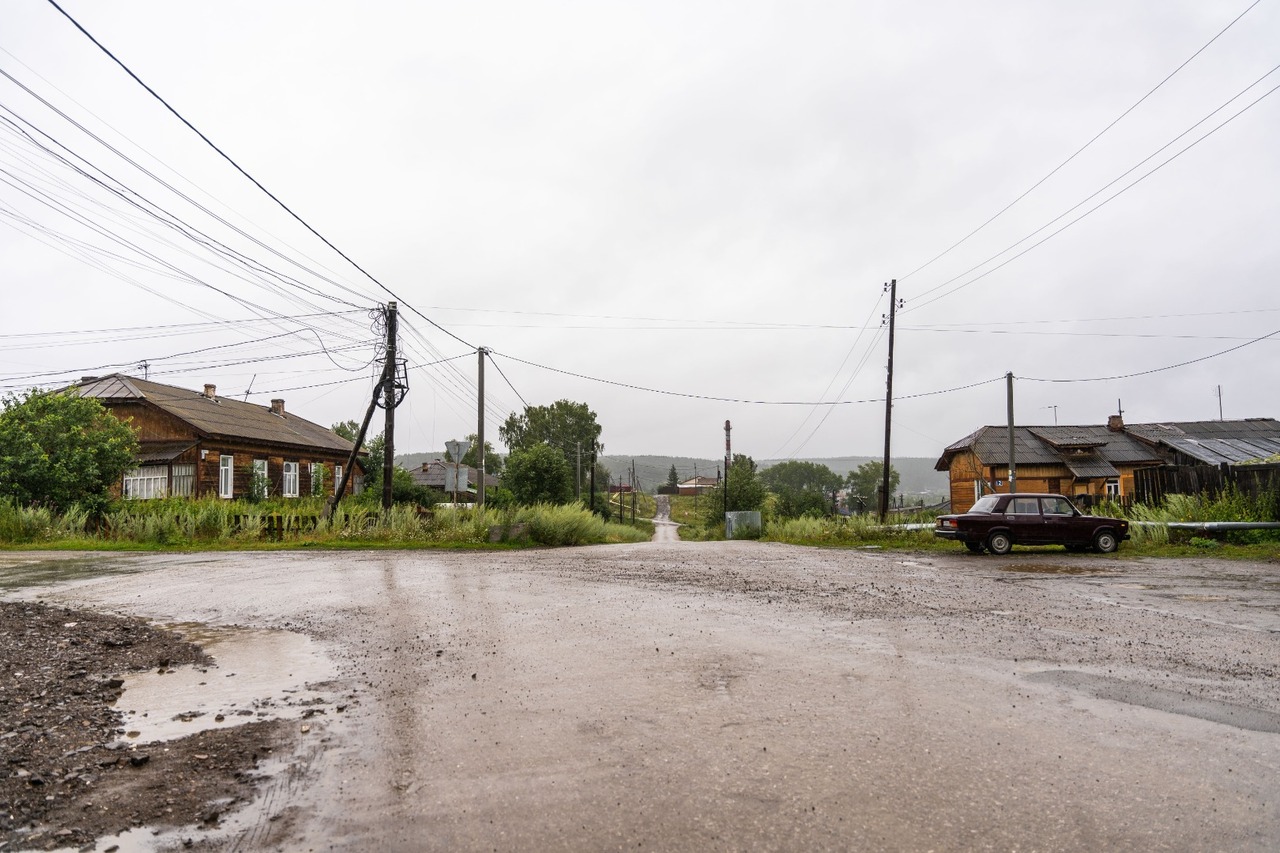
[1114,181]
[715,399]
[918,305]
[1158,369]
[252,179]
[1081,149]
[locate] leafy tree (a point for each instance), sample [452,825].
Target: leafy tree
[375,447]
[58,448]
[538,474]
[746,491]
[673,478]
[803,488]
[866,481]
[564,425]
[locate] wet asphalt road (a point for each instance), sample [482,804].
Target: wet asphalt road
[743,696]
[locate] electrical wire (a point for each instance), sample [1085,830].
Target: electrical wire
[918,305]
[1082,148]
[252,179]
[1158,369]
[1110,183]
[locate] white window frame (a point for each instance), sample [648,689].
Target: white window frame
[226,476]
[337,478]
[146,483]
[1113,489]
[260,468]
[289,488]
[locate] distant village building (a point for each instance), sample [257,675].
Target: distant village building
[440,475]
[194,444]
[697,485]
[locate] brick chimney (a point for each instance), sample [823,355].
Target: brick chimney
[1115,423]
[277,407]
[210,391]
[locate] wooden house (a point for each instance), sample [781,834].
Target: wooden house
[1088,463]
[195,444]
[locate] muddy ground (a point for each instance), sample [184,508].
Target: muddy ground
[716,696]
[70,770]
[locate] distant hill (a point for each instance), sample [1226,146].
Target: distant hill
[918,476]
[916,472]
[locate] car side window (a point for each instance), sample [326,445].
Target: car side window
[1056,506]
[1024,506]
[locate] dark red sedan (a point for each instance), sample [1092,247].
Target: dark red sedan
[998,522]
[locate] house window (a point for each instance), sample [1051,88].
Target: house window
[226,476]
[316,472]
[184,480]
[1113,490]
[337,478]
[260,486]
[149,481]
[290,479]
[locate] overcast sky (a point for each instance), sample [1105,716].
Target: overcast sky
[699,199]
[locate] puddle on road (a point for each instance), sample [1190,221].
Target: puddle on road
[1050,569]
[1169,701]
[257,675]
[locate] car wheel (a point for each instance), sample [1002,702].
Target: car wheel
[974,547]
[1105,542]
[999,543]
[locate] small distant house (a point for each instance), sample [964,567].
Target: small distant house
[441,475]
[194,444]
[697,485]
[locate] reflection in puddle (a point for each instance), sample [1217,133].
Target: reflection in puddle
[258,674]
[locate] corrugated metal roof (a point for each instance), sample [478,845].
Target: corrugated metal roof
[1228,450]
[1248,428]
[217,416]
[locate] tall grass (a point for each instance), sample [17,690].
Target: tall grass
[213,522]
[853,531]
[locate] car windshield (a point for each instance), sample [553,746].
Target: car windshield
[985,504]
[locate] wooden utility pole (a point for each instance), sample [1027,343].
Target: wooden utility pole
[1013,463]
[728,457]
[389,400]
[387,379]
[892,287]
[480,352]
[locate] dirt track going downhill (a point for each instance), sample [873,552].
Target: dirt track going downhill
[741,696]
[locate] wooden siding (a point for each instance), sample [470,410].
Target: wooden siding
[155,426]
[966,470]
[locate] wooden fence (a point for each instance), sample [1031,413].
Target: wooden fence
[1150,485]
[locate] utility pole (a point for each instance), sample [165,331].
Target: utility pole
[389,399]
[633,492]
[577,491]
[480,460]
[387,379]
[892,287]
[1220,402]
[728,457]
[593,477]
[1013,463]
